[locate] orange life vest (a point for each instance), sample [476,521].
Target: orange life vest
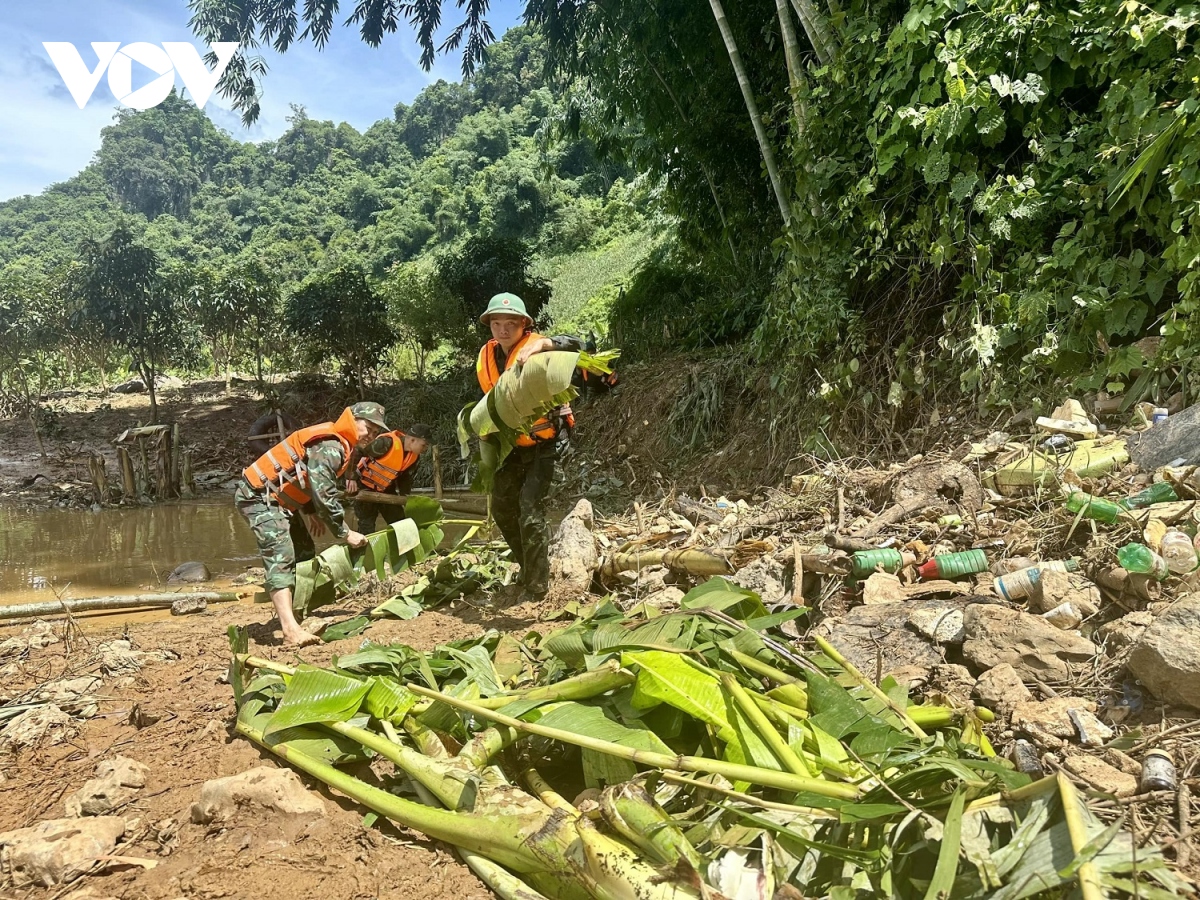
[282,472]
[380,474]
[488,374]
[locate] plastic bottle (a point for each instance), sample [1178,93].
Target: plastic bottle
[1178,552]
[1094,507]
[865,562]
[954,565]
[1159,492]
[1141,559]
[1023,583]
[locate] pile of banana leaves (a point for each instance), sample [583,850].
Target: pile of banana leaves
[398,547]
[685,755]
[523,395]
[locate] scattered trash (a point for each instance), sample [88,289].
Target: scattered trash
[1158,772]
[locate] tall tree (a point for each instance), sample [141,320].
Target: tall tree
[120,283]
[338,315]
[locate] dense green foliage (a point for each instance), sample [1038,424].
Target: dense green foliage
[257,248]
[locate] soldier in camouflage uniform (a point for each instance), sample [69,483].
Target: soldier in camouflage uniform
[522,483]
[300,475]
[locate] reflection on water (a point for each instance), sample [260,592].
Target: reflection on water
[116,551]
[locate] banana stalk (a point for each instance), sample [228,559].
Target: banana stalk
[632,813]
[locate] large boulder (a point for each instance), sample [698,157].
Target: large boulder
[1166,658]
[278,790]
[59,850]
[1031,645]
[573,554]
[189,573]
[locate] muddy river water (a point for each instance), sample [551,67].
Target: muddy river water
[123,550]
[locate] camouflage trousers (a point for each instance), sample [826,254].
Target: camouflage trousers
[519,508]
[283,538]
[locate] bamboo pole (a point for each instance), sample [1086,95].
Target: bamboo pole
[110,604]
[462,506]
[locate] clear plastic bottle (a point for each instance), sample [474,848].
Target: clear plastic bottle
[1180,555]
[1141,559]
[1024,582]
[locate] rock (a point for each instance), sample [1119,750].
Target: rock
[1056,588]
[1124,632]
[59,850]
[119,658]
[35,637]
[954,682]
[117,782]
[1178,436]
[189,573]
[280,790]
[879,635]
[1032,646]
[668,598]
[72,695]
[943,626]
[190,606]
[764,576]
[1090,731]
[650,579]
[1051,716]
[1101,775]
[1001,690]
[43,726]
[573,555]
[882,587]
[132,386]
[252,575]
[1166,658]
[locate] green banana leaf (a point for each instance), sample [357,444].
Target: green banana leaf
[317,695]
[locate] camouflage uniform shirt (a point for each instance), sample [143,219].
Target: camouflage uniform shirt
[283,538]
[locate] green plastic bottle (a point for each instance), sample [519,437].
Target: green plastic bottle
[1159,492]
[1094,507]
[1141,559]
[954,565]
[865,562]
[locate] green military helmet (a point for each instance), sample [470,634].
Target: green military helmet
[369,412]
[505,303]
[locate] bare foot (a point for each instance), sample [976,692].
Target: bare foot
[300,638]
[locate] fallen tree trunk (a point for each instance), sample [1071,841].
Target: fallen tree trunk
[767,520]
[694,562]
[110,604]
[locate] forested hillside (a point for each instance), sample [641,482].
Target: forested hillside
[325,245]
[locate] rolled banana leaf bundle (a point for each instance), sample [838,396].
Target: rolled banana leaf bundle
[523,395]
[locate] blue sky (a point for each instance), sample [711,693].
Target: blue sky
[47,138]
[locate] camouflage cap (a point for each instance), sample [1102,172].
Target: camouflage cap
[420,430]
[369,412]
